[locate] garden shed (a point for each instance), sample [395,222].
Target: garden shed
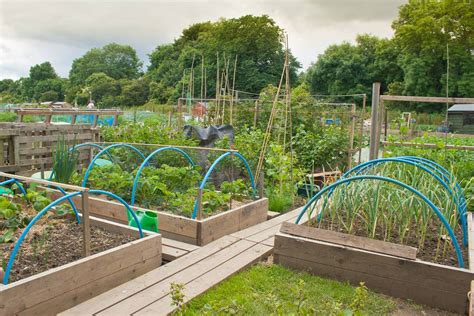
[461,118]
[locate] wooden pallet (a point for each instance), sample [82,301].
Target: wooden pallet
[198,270]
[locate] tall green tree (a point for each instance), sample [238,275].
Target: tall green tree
[255,40]
[426,31]
[114,60]
[348,69]
[42,71]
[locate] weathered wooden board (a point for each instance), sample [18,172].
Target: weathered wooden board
[133,288]
[180,228]
[209,279]
[29,147]
[470,226]
[373,245]
[425,283]
[60,288]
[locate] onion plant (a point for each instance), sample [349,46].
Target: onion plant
[386,211]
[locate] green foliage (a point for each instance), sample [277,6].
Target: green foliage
[150,131]
[172,189]
[413,62]
[238,189]
[8,116]
[114,60]
[177,297]
[255,39]
[321,147]
[422,31]
[64,161]
[275,290]
[42,72]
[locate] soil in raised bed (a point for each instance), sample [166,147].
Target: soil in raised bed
[426,253]
[54,244]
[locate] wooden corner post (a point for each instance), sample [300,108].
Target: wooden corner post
[86,226]
[373,154]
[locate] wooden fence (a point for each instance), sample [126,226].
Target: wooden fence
[26,148]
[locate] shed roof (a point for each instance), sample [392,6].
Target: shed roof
[462,108]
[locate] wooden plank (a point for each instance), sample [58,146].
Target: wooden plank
[97,287]
[246,233]
[470,234]
[426,99]
[217,226]
[378,246]
[212,278]
[40,111]
[144,298]
[171,253]
[179,245]
[43,182]
[147,280]
[253,213]
[86,225]
[49,138]
[59,288]
[471,300]
[426,283]
[271,214]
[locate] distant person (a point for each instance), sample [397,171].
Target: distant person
[91,105]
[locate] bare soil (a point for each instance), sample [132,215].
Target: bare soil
[54,244]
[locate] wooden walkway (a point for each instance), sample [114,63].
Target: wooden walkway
[198,270]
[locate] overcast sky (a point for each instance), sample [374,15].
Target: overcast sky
[34,31]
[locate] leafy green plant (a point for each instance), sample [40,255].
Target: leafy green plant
[238,189]
[64,161]
[177,297]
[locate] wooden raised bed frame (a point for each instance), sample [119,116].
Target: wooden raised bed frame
[192,231]
[384,267]
[61,288]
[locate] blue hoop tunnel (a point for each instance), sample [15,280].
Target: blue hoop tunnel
[443,220]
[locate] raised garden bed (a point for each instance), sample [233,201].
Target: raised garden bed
[385,267]
[46,287]
[193,231]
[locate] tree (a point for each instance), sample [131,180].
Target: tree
[351,69]
[42,71]
[134,92]
[424,31]
[114,60]
[255,40]
[103,88]
[47,86]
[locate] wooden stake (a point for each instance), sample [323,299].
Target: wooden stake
[361,131]
[232,94]
[268,131]
[374,120]
[351,136]
[202,76]
[199,201]
[86,226]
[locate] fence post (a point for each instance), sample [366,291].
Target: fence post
[199,201]
[374,124]
[86,226]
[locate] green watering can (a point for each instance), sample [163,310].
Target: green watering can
[148,220]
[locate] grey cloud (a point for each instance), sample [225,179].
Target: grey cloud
[78,25]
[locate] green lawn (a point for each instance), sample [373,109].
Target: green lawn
[272,289]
